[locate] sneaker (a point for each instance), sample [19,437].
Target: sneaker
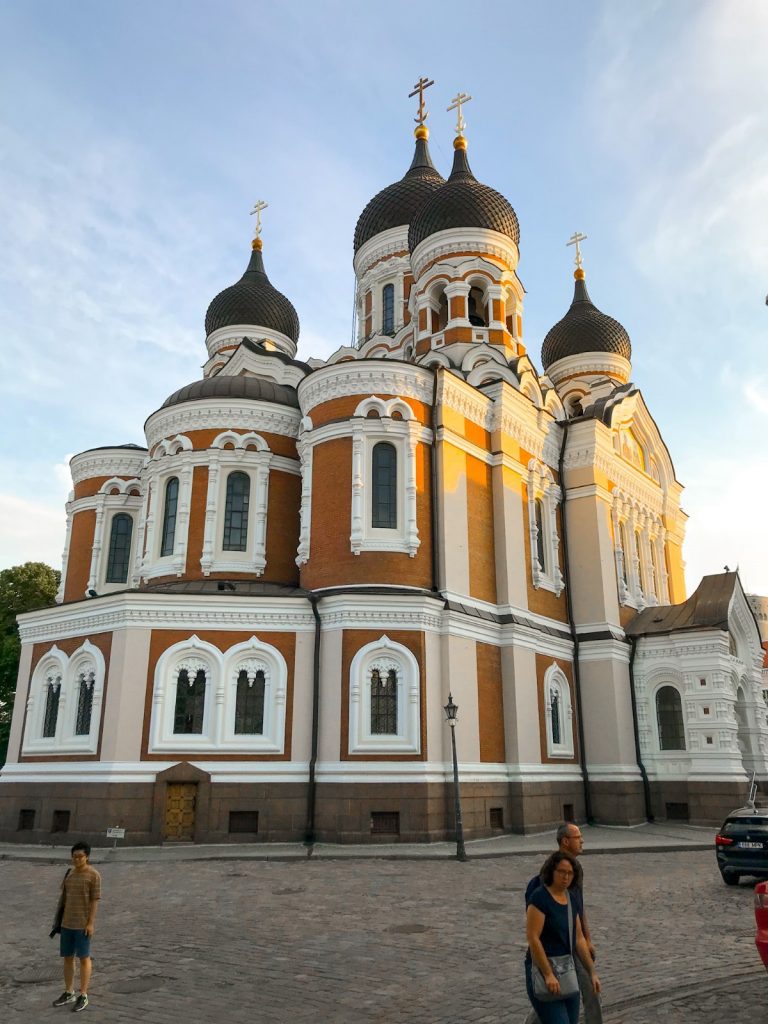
[64,998]
[80,1003]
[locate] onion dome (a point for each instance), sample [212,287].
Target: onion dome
[253,301]
[584,329]
[256,389]
[464,202]
[397,204]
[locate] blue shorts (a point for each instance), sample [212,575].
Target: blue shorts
[74,942]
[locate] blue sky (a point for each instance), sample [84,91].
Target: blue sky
[135,137]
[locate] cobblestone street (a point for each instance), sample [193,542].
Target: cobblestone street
[380,941]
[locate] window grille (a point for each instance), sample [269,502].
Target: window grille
[190,703]
[244,821]
[383,703]
[84,703]
[26,820]
[53,693]
[555,715]
[60,821]
[388,309]
[236,512]
[249,706]
[169,516]
[385,823]
[669,715]
[384,490]
[119,548]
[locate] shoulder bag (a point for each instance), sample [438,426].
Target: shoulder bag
[58,917]
[563,968]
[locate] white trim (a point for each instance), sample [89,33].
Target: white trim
[556,685]
[222,414]
[453,240]
[114,462]
[385,656]
[365,377]
[542,488]
[233,335]
[56,665]
[589,364]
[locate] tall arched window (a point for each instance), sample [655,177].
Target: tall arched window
[249,704]
[557,725]
[169,516]
[119,548]
[236,512]
[85,684]
[384,489]
[388,309]
[383,703]
[476,308]
[51,715]
[669,715]
[539,512]
[190,703]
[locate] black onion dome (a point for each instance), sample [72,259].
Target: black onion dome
[584,329]
[253,301]
[397,204]
[229,386]
[464,202]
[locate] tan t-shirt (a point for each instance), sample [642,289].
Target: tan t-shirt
[81,889]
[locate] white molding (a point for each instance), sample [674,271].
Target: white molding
[385,655]
[590,363]
[224,414]
[252,364]
[55,664]
[224,337]
[116,772]
[542,487]
[476,240]
[392,242]
[556,685]
[114,462]
[365,377]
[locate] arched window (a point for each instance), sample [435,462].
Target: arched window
[669,715]
[249,704]
[557,725]
[442,312]
[169,516]
[388,309]
[384,489]
[559,713]
[236,512]
[51,714]
[539,511]
[190,703]
[476,308]
[85,684]
[383,703]
[119,548]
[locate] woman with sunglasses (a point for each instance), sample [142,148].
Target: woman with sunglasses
[548,936]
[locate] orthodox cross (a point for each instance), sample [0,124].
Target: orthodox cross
[575,238]
[257,208]
[421,85]
[456,104]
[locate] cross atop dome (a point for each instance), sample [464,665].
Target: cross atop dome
[422,115]
[258,206]
[575,238]
[457,103]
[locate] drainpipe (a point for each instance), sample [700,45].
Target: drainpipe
[574,634]
[435,495]
[309,832]
[636,730]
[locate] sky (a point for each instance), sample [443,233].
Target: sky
[135,138]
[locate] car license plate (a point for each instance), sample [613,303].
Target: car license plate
[750,846]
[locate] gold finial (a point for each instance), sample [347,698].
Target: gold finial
[422,115]
[456,104]
[258,206]
[575,238]
[421,131]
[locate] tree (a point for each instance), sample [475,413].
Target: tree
[22,589]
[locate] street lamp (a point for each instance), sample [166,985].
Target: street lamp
[451,715]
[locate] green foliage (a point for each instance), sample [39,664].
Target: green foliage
[22,589]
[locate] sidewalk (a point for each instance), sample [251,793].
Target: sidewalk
[645,838]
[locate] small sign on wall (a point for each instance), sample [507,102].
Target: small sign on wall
[115,834]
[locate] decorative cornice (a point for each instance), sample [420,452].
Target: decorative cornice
[474,240]
[228,414]
[120,462]
[391,242]
[590,363]
[365,378]
[234,334]
[467,401]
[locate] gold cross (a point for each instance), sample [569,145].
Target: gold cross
[456,104]
[575,238]
[257,208]
[421,85]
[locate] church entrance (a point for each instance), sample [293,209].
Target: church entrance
[180,801]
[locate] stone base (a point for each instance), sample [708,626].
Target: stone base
[700,803]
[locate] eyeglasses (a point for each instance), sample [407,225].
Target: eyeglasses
[564,873]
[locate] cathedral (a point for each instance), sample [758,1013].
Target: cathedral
[264,610]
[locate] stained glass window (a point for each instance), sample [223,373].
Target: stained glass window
[384,703]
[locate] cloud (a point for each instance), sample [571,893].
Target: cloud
[30,531]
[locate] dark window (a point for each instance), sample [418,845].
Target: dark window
[555,705]
[383,703]
[119,548]
[741,826]
[677,812]
[84,704]
[249,707]
[496,817]
[384,476]
[26,820]
[669,714]
[388,309]
[243,821]
[60,822]
[53,692]
[568,814]
[539,513]
[169,516]
[236,512]
[385,823]
[190,703]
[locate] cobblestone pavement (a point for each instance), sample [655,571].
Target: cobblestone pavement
[369,942]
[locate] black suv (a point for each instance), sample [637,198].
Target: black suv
[741,845]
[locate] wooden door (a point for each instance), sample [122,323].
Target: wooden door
[180,811]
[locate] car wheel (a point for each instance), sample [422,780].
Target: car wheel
[730,877]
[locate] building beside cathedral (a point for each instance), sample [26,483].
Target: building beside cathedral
[263,611]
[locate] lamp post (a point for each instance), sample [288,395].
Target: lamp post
[451,715]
